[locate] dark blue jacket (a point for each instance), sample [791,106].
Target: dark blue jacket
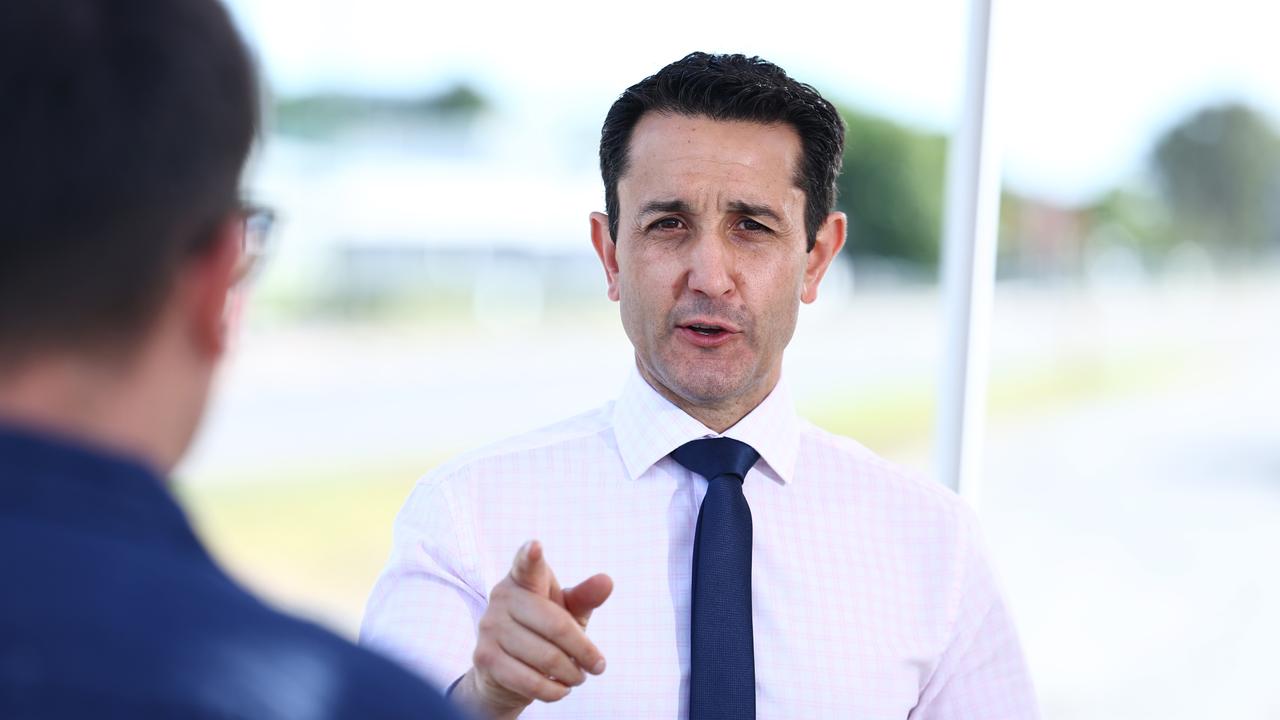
[111,608]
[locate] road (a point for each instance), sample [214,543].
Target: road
[1132,510]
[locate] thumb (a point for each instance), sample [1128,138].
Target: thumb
[586,596]
[530,570]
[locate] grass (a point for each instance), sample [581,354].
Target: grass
[314,538]
[898,419]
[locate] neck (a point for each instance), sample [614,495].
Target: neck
[107,405]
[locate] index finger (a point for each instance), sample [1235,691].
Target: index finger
[529,569]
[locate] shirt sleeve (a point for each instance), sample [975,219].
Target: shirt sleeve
[982,673]
[426,603]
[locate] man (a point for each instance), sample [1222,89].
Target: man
[758,566]
[124,127]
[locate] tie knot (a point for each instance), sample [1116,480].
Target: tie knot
[713,457]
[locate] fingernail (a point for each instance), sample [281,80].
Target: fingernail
[598,667]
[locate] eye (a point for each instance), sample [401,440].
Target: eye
[752,225]
[667,223]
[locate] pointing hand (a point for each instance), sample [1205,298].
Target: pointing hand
[532,642]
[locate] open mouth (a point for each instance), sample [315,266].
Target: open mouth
[707,330]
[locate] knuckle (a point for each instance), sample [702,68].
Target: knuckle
[581,650]
[549,658]
[500,592]
[549,691]
[563,626]
[506,681]
[485,656]
[525,685]
[572,676]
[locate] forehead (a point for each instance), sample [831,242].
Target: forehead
[692,157]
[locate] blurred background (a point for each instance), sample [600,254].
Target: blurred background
[434,289]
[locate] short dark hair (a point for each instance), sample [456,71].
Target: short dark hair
[732,87]
[124,128]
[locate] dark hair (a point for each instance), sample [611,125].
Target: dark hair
[731,87]
[124,127]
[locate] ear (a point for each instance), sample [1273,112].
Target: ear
[206,283]
[829,241]
[607,250]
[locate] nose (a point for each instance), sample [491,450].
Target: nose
[711,265]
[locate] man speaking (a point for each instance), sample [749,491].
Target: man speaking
[757,566]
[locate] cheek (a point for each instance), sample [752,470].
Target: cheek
[640,308]
[649,278]
[777,285]
[635,302]
[779,305]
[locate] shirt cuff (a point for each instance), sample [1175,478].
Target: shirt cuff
[453,685]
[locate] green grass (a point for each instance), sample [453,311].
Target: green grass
[899,418]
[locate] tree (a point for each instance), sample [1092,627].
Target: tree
[892,189]
[324,116]
[1219,172]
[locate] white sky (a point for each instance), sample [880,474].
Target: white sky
[1086,84]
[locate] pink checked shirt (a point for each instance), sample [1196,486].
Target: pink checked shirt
[872,596]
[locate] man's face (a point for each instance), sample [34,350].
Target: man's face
[710,263]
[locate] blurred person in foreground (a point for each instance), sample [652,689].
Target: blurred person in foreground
[759,566]
[124,127]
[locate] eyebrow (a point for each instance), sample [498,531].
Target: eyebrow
[745,208]
[735,206]
[664,206]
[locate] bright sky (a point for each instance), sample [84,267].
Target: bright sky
[1085,85]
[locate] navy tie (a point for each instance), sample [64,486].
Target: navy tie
[722,678]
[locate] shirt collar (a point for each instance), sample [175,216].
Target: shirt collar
[648,427]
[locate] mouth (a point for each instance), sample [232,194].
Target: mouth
[707,333]
[705,330]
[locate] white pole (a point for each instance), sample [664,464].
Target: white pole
[968,265]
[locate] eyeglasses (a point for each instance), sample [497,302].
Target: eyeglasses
[256,239]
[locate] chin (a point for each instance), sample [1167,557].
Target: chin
[708,387]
